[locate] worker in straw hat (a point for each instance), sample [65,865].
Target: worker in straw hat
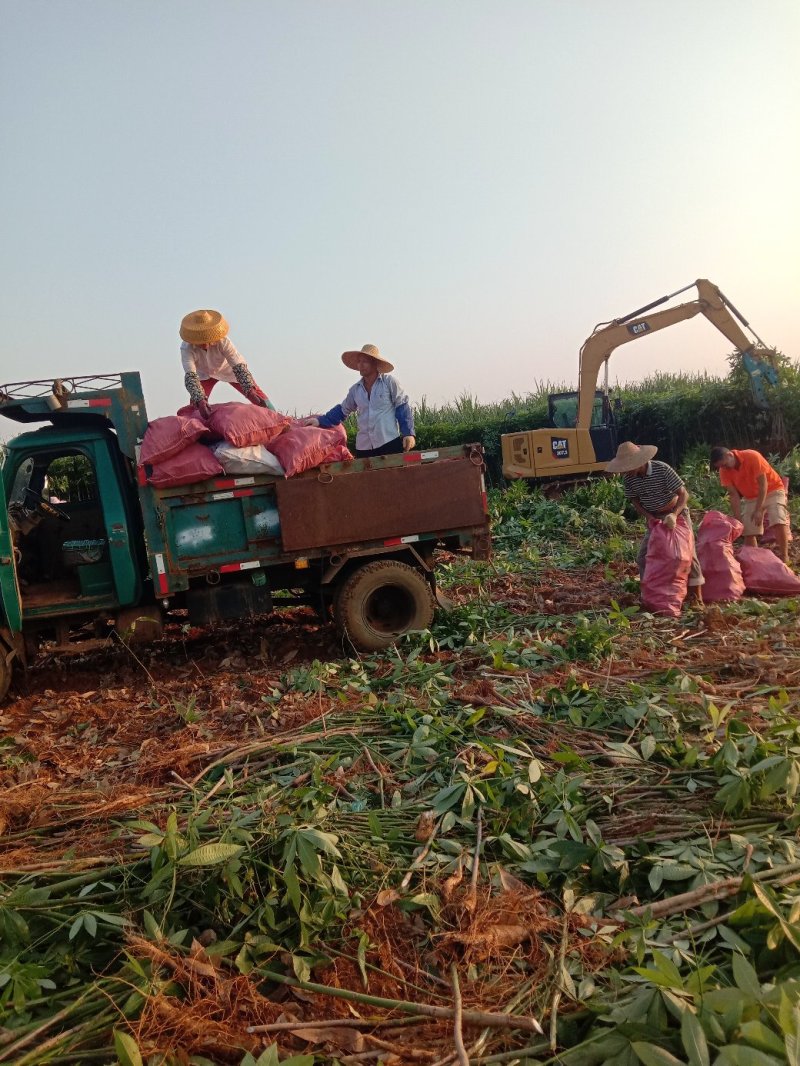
[385,418]
[208,357]
[656,491]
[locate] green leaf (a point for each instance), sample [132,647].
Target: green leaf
[741,1055]
[363,944]
[127,1049]
[325,842]
[647,746]
[653,1055]
[745,976]
[211,854]
[694,1040]
[292,888]
[757,1035]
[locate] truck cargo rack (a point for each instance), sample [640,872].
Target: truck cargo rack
[114,400]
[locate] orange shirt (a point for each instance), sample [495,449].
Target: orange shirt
[744,478]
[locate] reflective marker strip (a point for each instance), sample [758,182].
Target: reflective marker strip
[229,568]
[401,540]
[233,482]
[427,456]
[420,457]
[100,402]
[484,497]
[141,476]
[163,584]
[231,495]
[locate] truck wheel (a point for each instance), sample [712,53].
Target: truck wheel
[382,600]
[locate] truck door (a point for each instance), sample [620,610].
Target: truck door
[9,587]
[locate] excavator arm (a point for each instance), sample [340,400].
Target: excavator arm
[711,303]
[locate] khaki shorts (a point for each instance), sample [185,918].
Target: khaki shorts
[776,513]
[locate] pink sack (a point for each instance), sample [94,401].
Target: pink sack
[194,463]
[244,424]
[304,447]
[721,568]
[165,437]
[667,565]
[765,575]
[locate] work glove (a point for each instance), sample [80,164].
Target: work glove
[259,401]
[669,520]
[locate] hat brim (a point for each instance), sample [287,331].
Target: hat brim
[632,462]
[350,359]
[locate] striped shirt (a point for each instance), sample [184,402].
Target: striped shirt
[655,489]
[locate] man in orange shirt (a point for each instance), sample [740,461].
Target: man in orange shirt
[756,492]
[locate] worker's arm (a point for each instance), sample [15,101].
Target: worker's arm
[404,414]
[337,414]
[736,503]
[243,375]
[680,502]
[761,499]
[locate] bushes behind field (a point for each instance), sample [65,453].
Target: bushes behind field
[675,412]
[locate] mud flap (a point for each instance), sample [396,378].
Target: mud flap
[443,602]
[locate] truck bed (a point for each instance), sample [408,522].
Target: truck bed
[237,523]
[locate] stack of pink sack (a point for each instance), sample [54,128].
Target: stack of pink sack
[667,566]
[295,447]
[249,439]
[720,566]
[171,454]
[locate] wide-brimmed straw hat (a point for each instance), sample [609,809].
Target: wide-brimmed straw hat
[203,327]
[351,359]
[630,456]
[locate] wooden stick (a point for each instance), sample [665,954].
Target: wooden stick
[471,900]
[339,1023]
[458,1033]
[686,901]
[428,1010]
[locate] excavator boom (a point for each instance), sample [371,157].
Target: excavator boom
[710,302]
[578,447]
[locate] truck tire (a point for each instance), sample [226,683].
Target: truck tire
[5,672]
[380,602]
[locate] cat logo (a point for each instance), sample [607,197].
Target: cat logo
[560,446]
[638,328]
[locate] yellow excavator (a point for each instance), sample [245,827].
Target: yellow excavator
[582,436]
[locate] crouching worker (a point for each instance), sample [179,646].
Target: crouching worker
[208,357]
[385,418]
[757,495]
[656,491]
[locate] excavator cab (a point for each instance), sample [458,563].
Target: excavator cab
[564,450]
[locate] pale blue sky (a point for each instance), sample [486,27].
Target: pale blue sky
[472,186]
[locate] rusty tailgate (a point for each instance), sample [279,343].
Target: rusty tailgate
[342,507]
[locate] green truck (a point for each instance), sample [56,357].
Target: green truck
[88,547]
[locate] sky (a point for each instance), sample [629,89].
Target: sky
[470,185]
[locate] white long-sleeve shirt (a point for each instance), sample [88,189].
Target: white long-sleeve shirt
[383,414]
[217,363]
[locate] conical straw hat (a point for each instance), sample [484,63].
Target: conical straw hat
[630,456]
[203,327]
[351,359]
